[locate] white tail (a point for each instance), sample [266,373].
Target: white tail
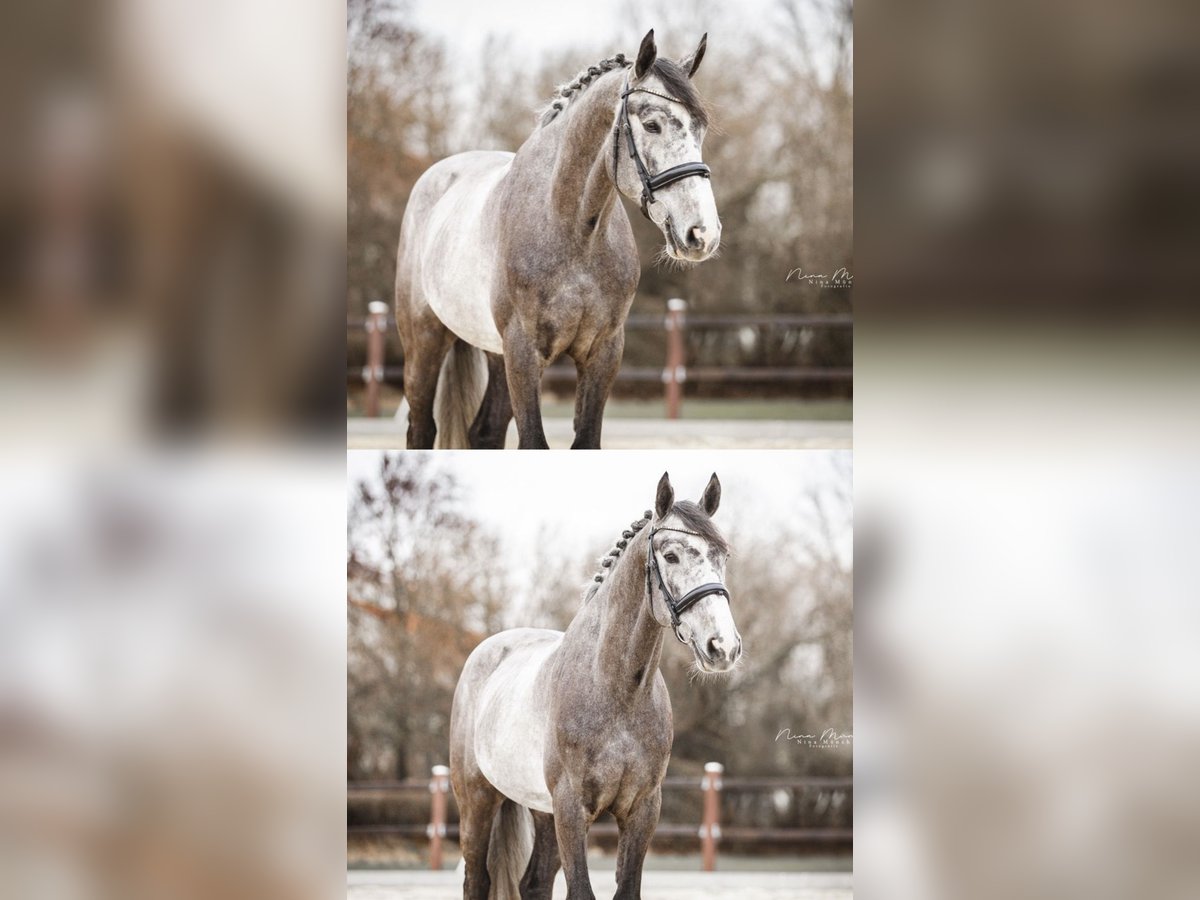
[509,850]
[461,385]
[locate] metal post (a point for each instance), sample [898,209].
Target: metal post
[710,831]
[437,825]
[675,373]
[376,342]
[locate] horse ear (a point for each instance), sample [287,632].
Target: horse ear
[647,53]
[712,495]
[665,498]
[692,63]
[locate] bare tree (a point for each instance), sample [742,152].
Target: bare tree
[781,91]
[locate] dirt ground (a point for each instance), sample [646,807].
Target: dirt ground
[648,434]
[656,885]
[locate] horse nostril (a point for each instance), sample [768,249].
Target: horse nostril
[695,237]
[714,650]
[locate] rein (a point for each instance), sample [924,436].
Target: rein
[650,183]
[688,600]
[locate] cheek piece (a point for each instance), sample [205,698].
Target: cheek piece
[650,183]
[688,600]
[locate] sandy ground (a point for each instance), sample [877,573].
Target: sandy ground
[650,434]
[656,885]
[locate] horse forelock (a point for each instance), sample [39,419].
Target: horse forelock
[696,520]
[679,86]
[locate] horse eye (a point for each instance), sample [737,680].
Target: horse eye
[671,557]
[653,127]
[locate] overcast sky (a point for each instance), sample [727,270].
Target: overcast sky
[538,26]
[584,499]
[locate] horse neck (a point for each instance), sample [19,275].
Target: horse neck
[582,190]
[630,640]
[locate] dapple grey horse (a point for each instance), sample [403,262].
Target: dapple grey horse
[549,729]
[508,261]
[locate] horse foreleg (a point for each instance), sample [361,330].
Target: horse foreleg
[490,427]
[636,828]
[571,823]
[538,881]
[523,365]
[597,372]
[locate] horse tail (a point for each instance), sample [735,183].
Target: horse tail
[460,389]
[509,850]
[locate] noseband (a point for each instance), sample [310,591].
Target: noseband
[650,183]
[688,600]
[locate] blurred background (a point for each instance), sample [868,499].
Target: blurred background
[1026,388]
[418,604]
[172,189]
[1027,383]
[778,76]
[171,210]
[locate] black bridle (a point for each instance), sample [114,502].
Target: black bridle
[688,600]
[650,183]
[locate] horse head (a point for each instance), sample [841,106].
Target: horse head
[685,576]
[657,135]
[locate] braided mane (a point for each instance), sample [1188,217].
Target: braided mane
[610,559]
[565,93]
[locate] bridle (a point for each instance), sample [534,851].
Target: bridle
[650,183]
[688,600]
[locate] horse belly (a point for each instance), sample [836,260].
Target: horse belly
[458,261]
[511,727]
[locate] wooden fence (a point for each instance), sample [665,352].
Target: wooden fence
[709,831]
[378,324]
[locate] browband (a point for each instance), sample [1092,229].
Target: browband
[650,183]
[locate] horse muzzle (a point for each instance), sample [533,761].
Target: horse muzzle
[717,655]
[696,244]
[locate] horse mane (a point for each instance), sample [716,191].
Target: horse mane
[567,92]
[672,76]
[609,559]
[690,515]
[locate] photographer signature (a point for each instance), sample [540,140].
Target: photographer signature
[840,278]
[827,738]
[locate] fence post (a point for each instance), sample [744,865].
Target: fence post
[437,825]
[710,831]
[376,343]
[675,372]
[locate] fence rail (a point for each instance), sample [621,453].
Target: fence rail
[673,375]
[709,832]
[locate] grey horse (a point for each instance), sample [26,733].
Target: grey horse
[508,261]
[549,729]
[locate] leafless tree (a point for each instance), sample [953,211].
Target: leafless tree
[781,90]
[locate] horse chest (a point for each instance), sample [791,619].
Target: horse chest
[565,299]
[615,753]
